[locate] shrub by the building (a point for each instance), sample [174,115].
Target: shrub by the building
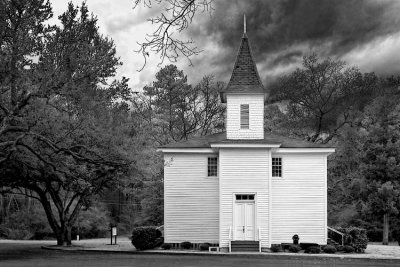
[339,247]
[146,237]
[314,250]
[166,246]
[306,246]
[205,246]
[294,248]
[355,237]
[186,245]
[348,249]
[276,248]
[329,249]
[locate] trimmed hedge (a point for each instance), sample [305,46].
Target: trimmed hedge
[355,237]
[146,237]
[306,246]
[186,245]
[329,249]
[348,249]
[294,248]
[205,246]
[314,250]
[339,247]
[166,246]
[276,248]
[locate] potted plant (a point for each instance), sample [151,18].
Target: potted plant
[296,239]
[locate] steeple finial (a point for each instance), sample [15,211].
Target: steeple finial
[244,23]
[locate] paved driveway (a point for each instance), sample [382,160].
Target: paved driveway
[20,254]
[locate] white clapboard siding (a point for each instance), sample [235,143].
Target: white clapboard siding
[243,171]
[190,199]
[298,199]
[256,116]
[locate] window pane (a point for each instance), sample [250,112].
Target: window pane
[276,167]
[244,197]
[212,168]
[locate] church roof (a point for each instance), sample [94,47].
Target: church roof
[245,78]
[220,138]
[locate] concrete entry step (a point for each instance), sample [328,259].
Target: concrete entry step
[246,242]
[244,246]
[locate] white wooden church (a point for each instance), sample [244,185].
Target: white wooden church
[244,187]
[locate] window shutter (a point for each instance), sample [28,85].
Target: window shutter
[244,116]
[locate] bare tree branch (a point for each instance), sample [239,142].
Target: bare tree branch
[176,18]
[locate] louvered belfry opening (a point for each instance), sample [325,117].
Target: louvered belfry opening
[244,116]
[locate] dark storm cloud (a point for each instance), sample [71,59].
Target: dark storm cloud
[287,58]
[276,27]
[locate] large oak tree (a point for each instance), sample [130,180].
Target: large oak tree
[320,98]
[380,159]
[59,109]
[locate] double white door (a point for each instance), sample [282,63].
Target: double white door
[244,221]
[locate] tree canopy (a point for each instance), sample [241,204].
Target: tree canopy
[59,143]
[176,110]
[322,97]
[380,159]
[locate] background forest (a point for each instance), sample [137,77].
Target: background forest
[78,146]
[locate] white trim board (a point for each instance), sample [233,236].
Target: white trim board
[276,149]
[245,145]
[187,150]
[327,150]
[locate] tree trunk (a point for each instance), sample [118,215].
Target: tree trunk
[60,239]
[3,208]
[64,236]
[13,70]
[385,239]
[67,236]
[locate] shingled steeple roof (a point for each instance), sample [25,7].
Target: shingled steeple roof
[245,78]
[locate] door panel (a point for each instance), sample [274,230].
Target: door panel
[244,221]
[249,227]
[239,221]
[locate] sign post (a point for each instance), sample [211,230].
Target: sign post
[113,233]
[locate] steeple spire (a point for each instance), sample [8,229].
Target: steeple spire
[245,78]
[244,23]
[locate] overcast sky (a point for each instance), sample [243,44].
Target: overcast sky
[365,33]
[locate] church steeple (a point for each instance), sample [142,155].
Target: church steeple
[244,96]
[245,78]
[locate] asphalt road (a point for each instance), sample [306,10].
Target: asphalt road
[33,255]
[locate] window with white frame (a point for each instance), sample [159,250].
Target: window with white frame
[244,197]
[244,116]
[212,167]
[276,167]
